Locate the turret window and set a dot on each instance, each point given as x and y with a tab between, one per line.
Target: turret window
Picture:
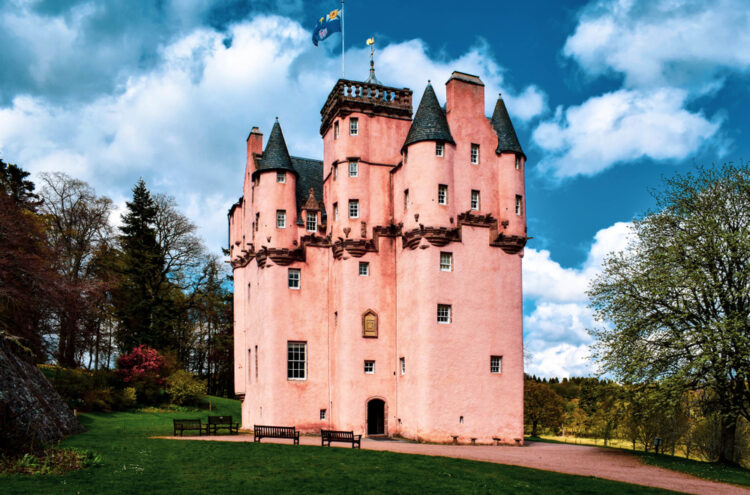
335	171
312	221
518	162
295	278
257	221
446	262
353	126
439	149
280	177
353	208
406	199
444	313
296	361
335	211
519	205
353	169
364	269
280	219
402	363
475	200
442	194
336	130
475	153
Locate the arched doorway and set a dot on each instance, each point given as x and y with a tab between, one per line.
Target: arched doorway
376	417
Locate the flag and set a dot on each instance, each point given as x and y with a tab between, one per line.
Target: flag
327	26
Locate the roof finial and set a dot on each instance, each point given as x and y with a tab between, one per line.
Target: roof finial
277	118
372	79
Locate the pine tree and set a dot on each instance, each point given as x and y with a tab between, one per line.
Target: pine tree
142	301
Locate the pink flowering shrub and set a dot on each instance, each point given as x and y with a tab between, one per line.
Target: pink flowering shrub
144	368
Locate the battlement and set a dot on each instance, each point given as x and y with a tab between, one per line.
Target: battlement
354	96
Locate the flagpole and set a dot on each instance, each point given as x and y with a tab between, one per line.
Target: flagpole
342	39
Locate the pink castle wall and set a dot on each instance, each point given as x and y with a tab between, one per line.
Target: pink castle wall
447	365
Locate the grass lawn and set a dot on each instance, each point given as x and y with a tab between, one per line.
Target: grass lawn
134	463
707	470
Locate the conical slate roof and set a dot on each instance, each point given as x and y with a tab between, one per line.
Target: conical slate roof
429	123
507	141
276	155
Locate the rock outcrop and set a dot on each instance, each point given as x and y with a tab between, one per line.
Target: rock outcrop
32	413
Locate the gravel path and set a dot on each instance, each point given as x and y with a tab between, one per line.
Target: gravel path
583	460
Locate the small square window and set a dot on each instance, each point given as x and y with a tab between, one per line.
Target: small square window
475	153
402	363
353	169
294	278
439	149
336	130
442	194
281	177
406	199
323	411
518	162
296	361
446	262
312	221
335	211
370	367
353	208
475	200
281	219
364	269
353	126
519	205
496	364
444	313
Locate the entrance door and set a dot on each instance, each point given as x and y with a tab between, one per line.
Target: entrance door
376	417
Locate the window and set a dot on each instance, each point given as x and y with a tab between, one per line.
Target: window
312	221
335	171
406	199
439	149
280	177
442	194
519	205
296	361
364	269
257	221
353	208
353	126
475	200
256	364
496	364
323	411
474	153
335	211
446	262
294	278
281	219
336	130
444	313
370	367
518	162
402	363
353	169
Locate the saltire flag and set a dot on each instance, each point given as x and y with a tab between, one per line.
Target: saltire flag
327	26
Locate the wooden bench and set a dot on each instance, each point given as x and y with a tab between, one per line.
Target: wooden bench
183	425
265	431
339	436
215	423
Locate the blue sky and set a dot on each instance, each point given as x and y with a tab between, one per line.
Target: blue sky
607	96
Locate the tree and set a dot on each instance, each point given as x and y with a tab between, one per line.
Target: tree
677	300
79	233
542	406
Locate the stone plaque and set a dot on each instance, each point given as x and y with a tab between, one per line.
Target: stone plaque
370	324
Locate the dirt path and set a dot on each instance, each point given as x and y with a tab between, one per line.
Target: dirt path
583	460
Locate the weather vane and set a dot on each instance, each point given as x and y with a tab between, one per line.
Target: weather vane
372	79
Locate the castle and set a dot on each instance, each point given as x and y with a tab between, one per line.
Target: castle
380	289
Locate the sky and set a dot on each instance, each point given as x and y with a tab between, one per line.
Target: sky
607	97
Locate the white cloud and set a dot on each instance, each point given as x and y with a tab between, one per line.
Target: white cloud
621	126
680	43
182	125
555	333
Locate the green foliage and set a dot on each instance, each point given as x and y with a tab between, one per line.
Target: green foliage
542	407
677	300
50	461
185	389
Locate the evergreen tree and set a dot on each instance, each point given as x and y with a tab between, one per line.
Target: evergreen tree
142	298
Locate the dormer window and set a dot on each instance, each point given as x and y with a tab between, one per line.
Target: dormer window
354	126
353	169
281	177
336	130
439	149
474	154
312	221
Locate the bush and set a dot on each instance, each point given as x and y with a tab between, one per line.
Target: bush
128	398
85	390
184	388
144	368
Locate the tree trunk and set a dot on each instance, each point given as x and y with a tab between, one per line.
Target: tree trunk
728	436
534	425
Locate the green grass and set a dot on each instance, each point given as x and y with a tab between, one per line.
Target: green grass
134	463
